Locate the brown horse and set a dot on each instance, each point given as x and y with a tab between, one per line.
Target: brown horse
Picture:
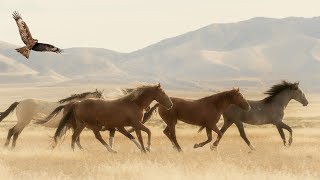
96	114
201	112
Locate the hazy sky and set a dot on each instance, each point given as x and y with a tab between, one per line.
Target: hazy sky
128	25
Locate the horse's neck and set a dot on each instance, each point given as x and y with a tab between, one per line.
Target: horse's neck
282	99
143	101
222	101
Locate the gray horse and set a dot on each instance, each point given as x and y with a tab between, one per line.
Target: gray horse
270	110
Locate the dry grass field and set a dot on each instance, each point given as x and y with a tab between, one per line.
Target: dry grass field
33	159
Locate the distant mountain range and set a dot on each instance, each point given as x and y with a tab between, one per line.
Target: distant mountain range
252	53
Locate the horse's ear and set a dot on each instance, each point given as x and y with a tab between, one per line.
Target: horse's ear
237	90
159	86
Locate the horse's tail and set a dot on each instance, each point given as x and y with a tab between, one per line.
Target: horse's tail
8	111
147	115
51	115
65	119
201	128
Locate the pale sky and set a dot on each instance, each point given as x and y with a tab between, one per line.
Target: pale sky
128	25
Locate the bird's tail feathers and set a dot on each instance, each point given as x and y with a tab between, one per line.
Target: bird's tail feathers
25	51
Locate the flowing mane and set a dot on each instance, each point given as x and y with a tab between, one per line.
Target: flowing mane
132	94
278	88
97	93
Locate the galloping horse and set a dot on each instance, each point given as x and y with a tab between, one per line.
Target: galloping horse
30	109
97	114
269	110
66	107
204	112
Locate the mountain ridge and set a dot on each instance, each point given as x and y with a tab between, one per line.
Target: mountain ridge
247	53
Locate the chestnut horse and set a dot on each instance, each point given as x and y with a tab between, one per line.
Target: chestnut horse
97	114
204	112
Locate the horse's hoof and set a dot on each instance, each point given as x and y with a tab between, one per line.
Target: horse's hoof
252	148
196	146
148	149
113	151
213	148
290	142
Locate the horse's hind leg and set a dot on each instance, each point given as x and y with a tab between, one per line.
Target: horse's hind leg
99	137
282	135
76	133
10	133
78	143
209	134
243	135
15	137
15	131
123	131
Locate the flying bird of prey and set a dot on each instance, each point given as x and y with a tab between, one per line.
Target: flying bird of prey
31	44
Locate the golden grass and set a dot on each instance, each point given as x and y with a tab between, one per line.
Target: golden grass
33	158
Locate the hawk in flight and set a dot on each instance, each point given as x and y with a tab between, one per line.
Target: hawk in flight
31	44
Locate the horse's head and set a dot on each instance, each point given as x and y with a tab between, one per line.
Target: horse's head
298	95
161	97
239	100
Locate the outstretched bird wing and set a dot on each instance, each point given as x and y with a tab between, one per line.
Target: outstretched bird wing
46	47
24	30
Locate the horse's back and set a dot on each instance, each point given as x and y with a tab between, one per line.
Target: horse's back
107	112
29	109
189	111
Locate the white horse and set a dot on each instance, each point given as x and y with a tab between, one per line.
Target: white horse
31	109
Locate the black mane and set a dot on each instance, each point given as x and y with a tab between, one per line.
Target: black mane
277	88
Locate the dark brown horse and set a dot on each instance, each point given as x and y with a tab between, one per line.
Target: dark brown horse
67	107
96	114
201	112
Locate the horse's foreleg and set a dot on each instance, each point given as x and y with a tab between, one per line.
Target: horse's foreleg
172	133
288	128
243	135
123	131
138	126
166	132
216	130
224	128
111	136
209	135
138	132
283	136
